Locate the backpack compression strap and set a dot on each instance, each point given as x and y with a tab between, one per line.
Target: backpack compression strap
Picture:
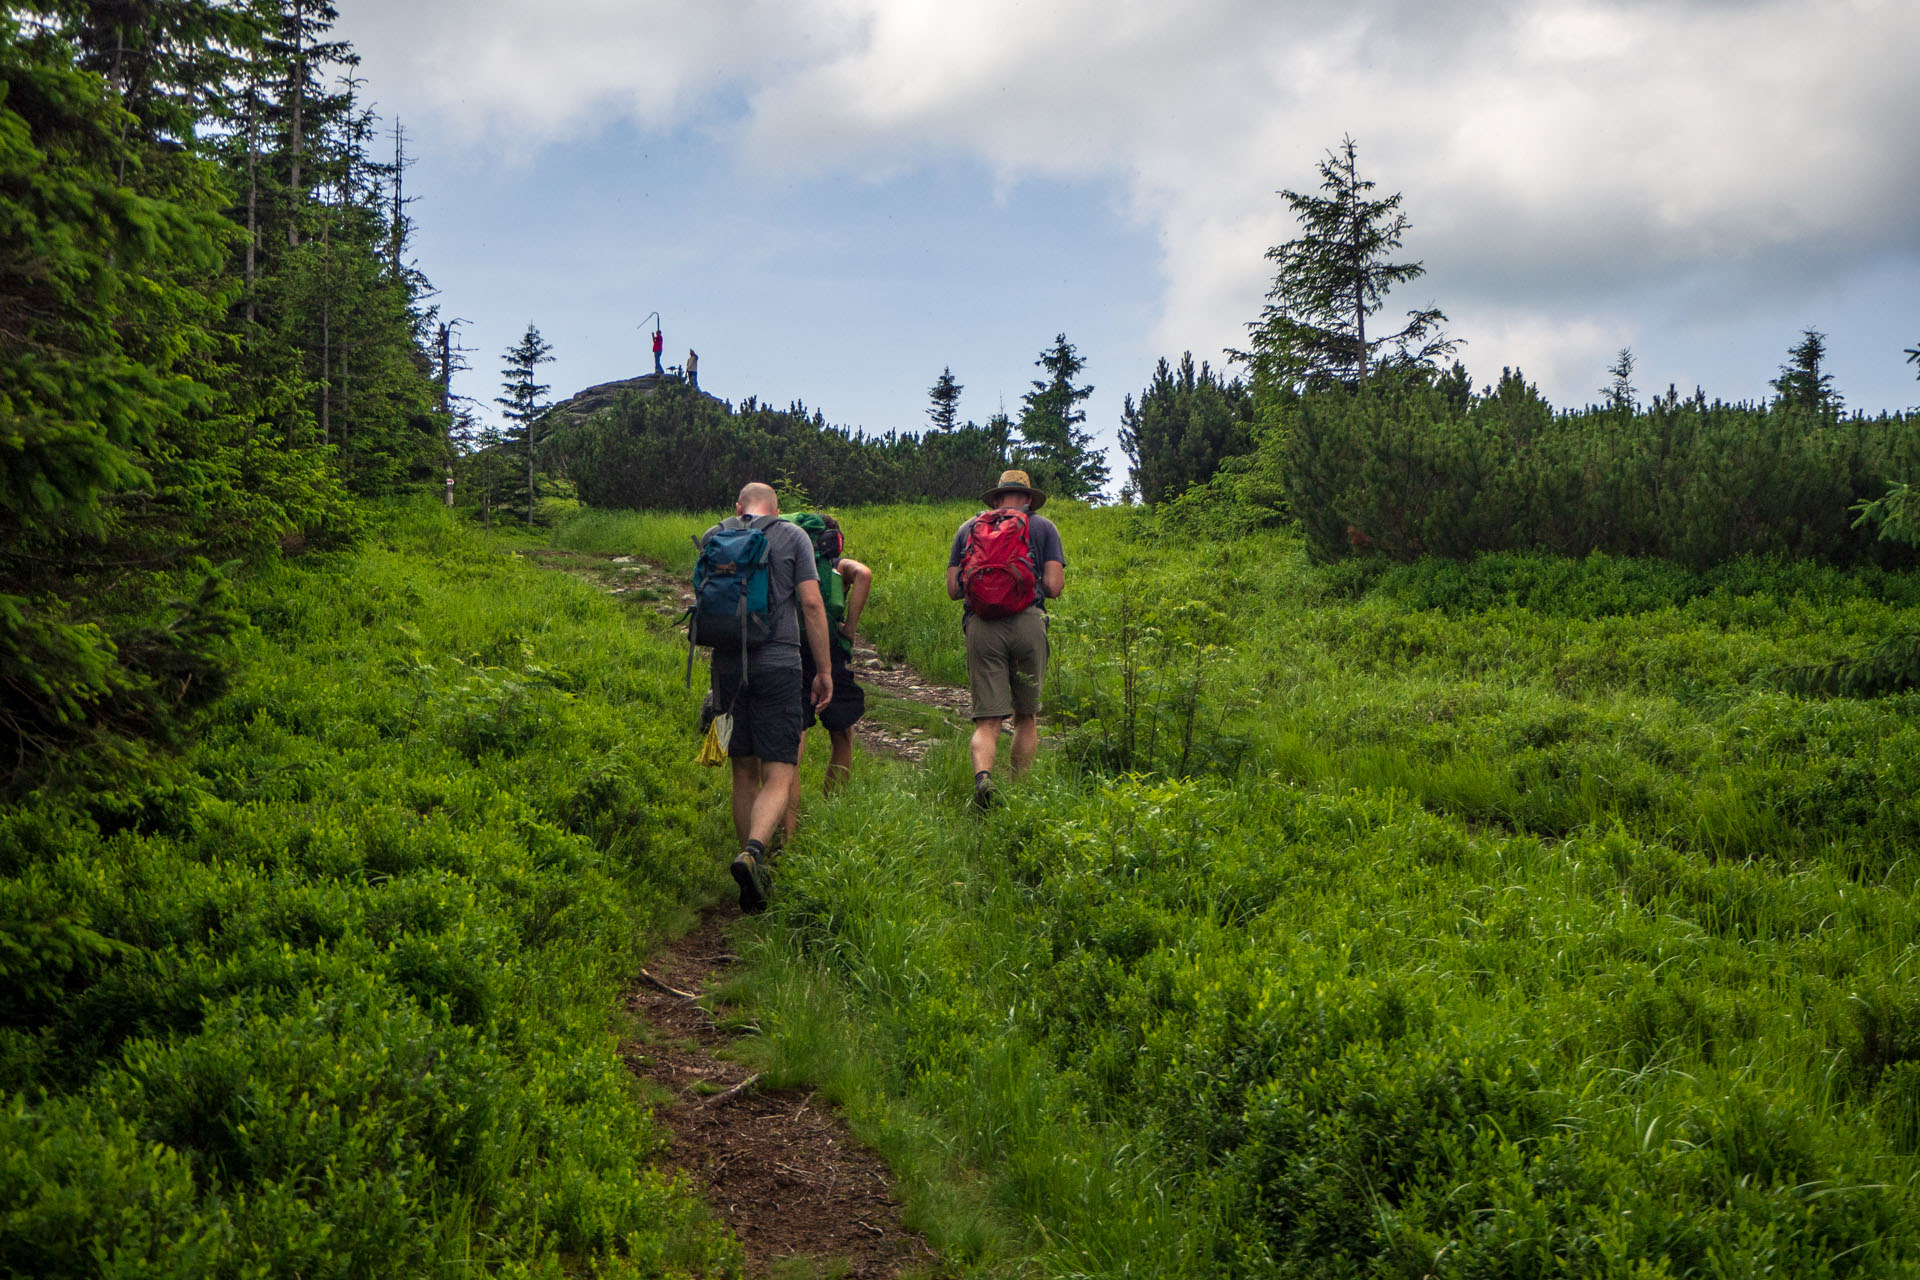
762	523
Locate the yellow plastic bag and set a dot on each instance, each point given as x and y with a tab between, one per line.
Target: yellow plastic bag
713	747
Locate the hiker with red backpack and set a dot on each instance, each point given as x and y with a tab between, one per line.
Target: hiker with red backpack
844	586
756	591
1006	563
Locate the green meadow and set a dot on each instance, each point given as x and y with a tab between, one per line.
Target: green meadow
338	993
1503	918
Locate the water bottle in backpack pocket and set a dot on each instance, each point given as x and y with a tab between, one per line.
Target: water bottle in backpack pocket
996	567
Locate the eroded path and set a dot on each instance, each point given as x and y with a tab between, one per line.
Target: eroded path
780	1167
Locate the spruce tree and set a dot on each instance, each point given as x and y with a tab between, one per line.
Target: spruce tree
1054	448
524	404
119	470
1619	393
1803	382
945	395
1336	274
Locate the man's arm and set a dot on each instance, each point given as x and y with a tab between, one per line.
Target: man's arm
813	612
953	582
859	581
1054	578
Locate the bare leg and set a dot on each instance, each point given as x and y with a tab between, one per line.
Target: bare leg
791	823
986	740
1026	743
769	807
840	763
746	788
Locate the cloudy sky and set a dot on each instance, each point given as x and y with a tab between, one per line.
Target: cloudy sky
832	200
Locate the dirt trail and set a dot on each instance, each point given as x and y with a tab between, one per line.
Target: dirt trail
779	1167
908	737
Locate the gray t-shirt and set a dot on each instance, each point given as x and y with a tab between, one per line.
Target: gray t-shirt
789	563
1043	539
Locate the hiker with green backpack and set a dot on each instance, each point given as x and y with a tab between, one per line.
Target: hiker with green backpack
754	585
844	585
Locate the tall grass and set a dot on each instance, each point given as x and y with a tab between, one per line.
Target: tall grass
1526	928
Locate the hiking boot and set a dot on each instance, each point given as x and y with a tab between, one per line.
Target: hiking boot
755	879
985	796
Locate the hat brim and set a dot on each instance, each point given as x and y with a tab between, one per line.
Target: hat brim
992	496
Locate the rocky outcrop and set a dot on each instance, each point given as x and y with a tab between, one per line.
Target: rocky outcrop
586	403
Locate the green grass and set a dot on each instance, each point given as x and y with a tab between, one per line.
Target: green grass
1499	919
1496	929
335	995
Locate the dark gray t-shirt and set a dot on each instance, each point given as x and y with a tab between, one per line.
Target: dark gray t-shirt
789	563
1043	538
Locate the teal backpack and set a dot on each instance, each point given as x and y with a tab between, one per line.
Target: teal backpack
732	589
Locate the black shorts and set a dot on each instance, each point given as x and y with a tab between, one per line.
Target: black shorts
766	717
849	699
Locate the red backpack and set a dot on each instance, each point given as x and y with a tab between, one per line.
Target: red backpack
996	568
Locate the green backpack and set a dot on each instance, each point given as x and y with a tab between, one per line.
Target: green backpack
827	544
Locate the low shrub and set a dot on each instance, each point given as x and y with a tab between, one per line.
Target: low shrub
336	998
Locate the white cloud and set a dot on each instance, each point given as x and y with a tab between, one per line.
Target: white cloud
1556	157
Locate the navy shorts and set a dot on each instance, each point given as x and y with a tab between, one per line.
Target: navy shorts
766	717
849	699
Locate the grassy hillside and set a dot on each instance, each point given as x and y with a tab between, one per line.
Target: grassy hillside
1490	920
1480	920
337	998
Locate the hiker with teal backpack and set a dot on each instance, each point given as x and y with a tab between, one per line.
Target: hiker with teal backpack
844	585
1006	563
754	584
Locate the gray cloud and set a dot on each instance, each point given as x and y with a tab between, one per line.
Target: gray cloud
1560	160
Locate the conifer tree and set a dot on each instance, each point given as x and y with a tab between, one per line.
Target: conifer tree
1803	382
1000	438
1186	424
1054	448
1619	393
1336	274
945	395
524	404
110	286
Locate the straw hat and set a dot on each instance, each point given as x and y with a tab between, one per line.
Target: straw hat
1015	482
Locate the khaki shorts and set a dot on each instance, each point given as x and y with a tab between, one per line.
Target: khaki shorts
1007	663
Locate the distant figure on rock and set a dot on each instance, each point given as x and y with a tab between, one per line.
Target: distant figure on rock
658	343
844	584
1006	563
693	368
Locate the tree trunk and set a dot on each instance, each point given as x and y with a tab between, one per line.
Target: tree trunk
446	403
253	196
326	330
299	90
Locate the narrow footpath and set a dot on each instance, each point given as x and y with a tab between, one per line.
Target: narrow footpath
780	1168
